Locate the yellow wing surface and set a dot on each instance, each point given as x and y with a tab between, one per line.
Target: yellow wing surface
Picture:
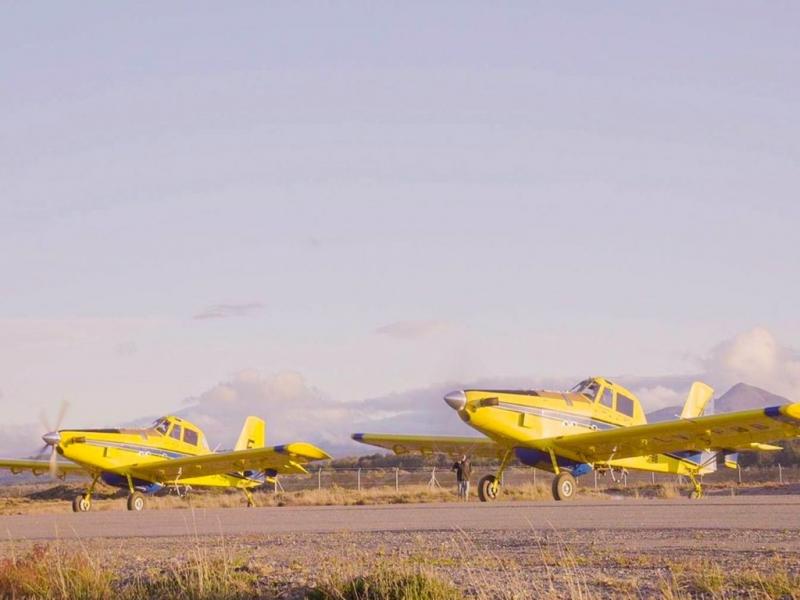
283	459
747	429
430	444
38	467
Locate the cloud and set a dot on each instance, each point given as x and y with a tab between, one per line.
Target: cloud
757	358
413	330
296	410
292	408
223	311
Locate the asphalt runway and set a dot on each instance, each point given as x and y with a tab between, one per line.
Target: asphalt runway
747	512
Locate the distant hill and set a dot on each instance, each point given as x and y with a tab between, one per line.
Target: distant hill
740	397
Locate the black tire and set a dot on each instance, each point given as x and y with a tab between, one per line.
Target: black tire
488	488
564	486
695	495
136	502
81	504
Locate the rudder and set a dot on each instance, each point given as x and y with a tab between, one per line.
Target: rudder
699	396
253	434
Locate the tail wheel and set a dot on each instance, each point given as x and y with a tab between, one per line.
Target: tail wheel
136	502
81	504
564	486
488	488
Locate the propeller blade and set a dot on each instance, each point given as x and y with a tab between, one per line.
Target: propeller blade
44	422
41	452
52	465
62	410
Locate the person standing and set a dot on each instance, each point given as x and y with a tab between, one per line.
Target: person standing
463	470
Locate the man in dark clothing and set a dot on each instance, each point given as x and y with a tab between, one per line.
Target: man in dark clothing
463	470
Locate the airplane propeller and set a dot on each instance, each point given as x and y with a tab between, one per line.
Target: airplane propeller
52	437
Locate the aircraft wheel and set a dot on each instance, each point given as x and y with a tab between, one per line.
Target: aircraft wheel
81	504
136	501
488	488
564	486
695	495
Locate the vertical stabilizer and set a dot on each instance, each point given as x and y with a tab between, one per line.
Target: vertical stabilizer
699	396
253	434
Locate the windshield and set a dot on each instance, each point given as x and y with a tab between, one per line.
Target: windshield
161	426
587	387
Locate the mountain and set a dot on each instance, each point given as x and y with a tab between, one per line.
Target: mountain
743	396
740	397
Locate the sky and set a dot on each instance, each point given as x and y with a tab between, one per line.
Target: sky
329	205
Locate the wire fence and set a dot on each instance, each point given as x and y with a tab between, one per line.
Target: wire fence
398	477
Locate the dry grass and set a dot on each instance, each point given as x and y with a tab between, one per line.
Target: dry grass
205	569
49	572
387	582
706	579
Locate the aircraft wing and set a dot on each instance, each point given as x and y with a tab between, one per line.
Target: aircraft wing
283	459
430	444
39	467
747	429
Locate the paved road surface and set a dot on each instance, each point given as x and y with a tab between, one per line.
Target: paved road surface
750	512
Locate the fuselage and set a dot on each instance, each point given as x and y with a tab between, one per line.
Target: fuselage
518	418
114	453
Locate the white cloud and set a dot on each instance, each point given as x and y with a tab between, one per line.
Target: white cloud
757	358
223	311
413	330
659	396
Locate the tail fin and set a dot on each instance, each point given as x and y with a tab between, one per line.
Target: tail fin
253	434
699	396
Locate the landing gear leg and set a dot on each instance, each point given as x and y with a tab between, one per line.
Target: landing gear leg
251	501
135	499
564	484
489	486
697	491
83	503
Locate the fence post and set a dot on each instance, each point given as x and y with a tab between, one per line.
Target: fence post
780	473
396	479
319	478
358	479
653	477
739	472
534	476
275	485
595	479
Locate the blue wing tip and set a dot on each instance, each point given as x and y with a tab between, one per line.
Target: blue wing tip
358	437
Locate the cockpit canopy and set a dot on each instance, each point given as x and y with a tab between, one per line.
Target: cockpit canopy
610	395
181	431
587	387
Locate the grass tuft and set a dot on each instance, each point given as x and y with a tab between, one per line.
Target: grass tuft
387	584
48	572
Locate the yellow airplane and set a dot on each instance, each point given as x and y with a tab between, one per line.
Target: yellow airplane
597	425
172	452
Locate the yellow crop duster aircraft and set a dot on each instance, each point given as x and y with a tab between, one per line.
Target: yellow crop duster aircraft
170	453
597	425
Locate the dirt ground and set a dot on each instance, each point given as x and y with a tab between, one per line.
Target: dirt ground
595	563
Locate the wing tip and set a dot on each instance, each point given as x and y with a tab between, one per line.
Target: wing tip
359	437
